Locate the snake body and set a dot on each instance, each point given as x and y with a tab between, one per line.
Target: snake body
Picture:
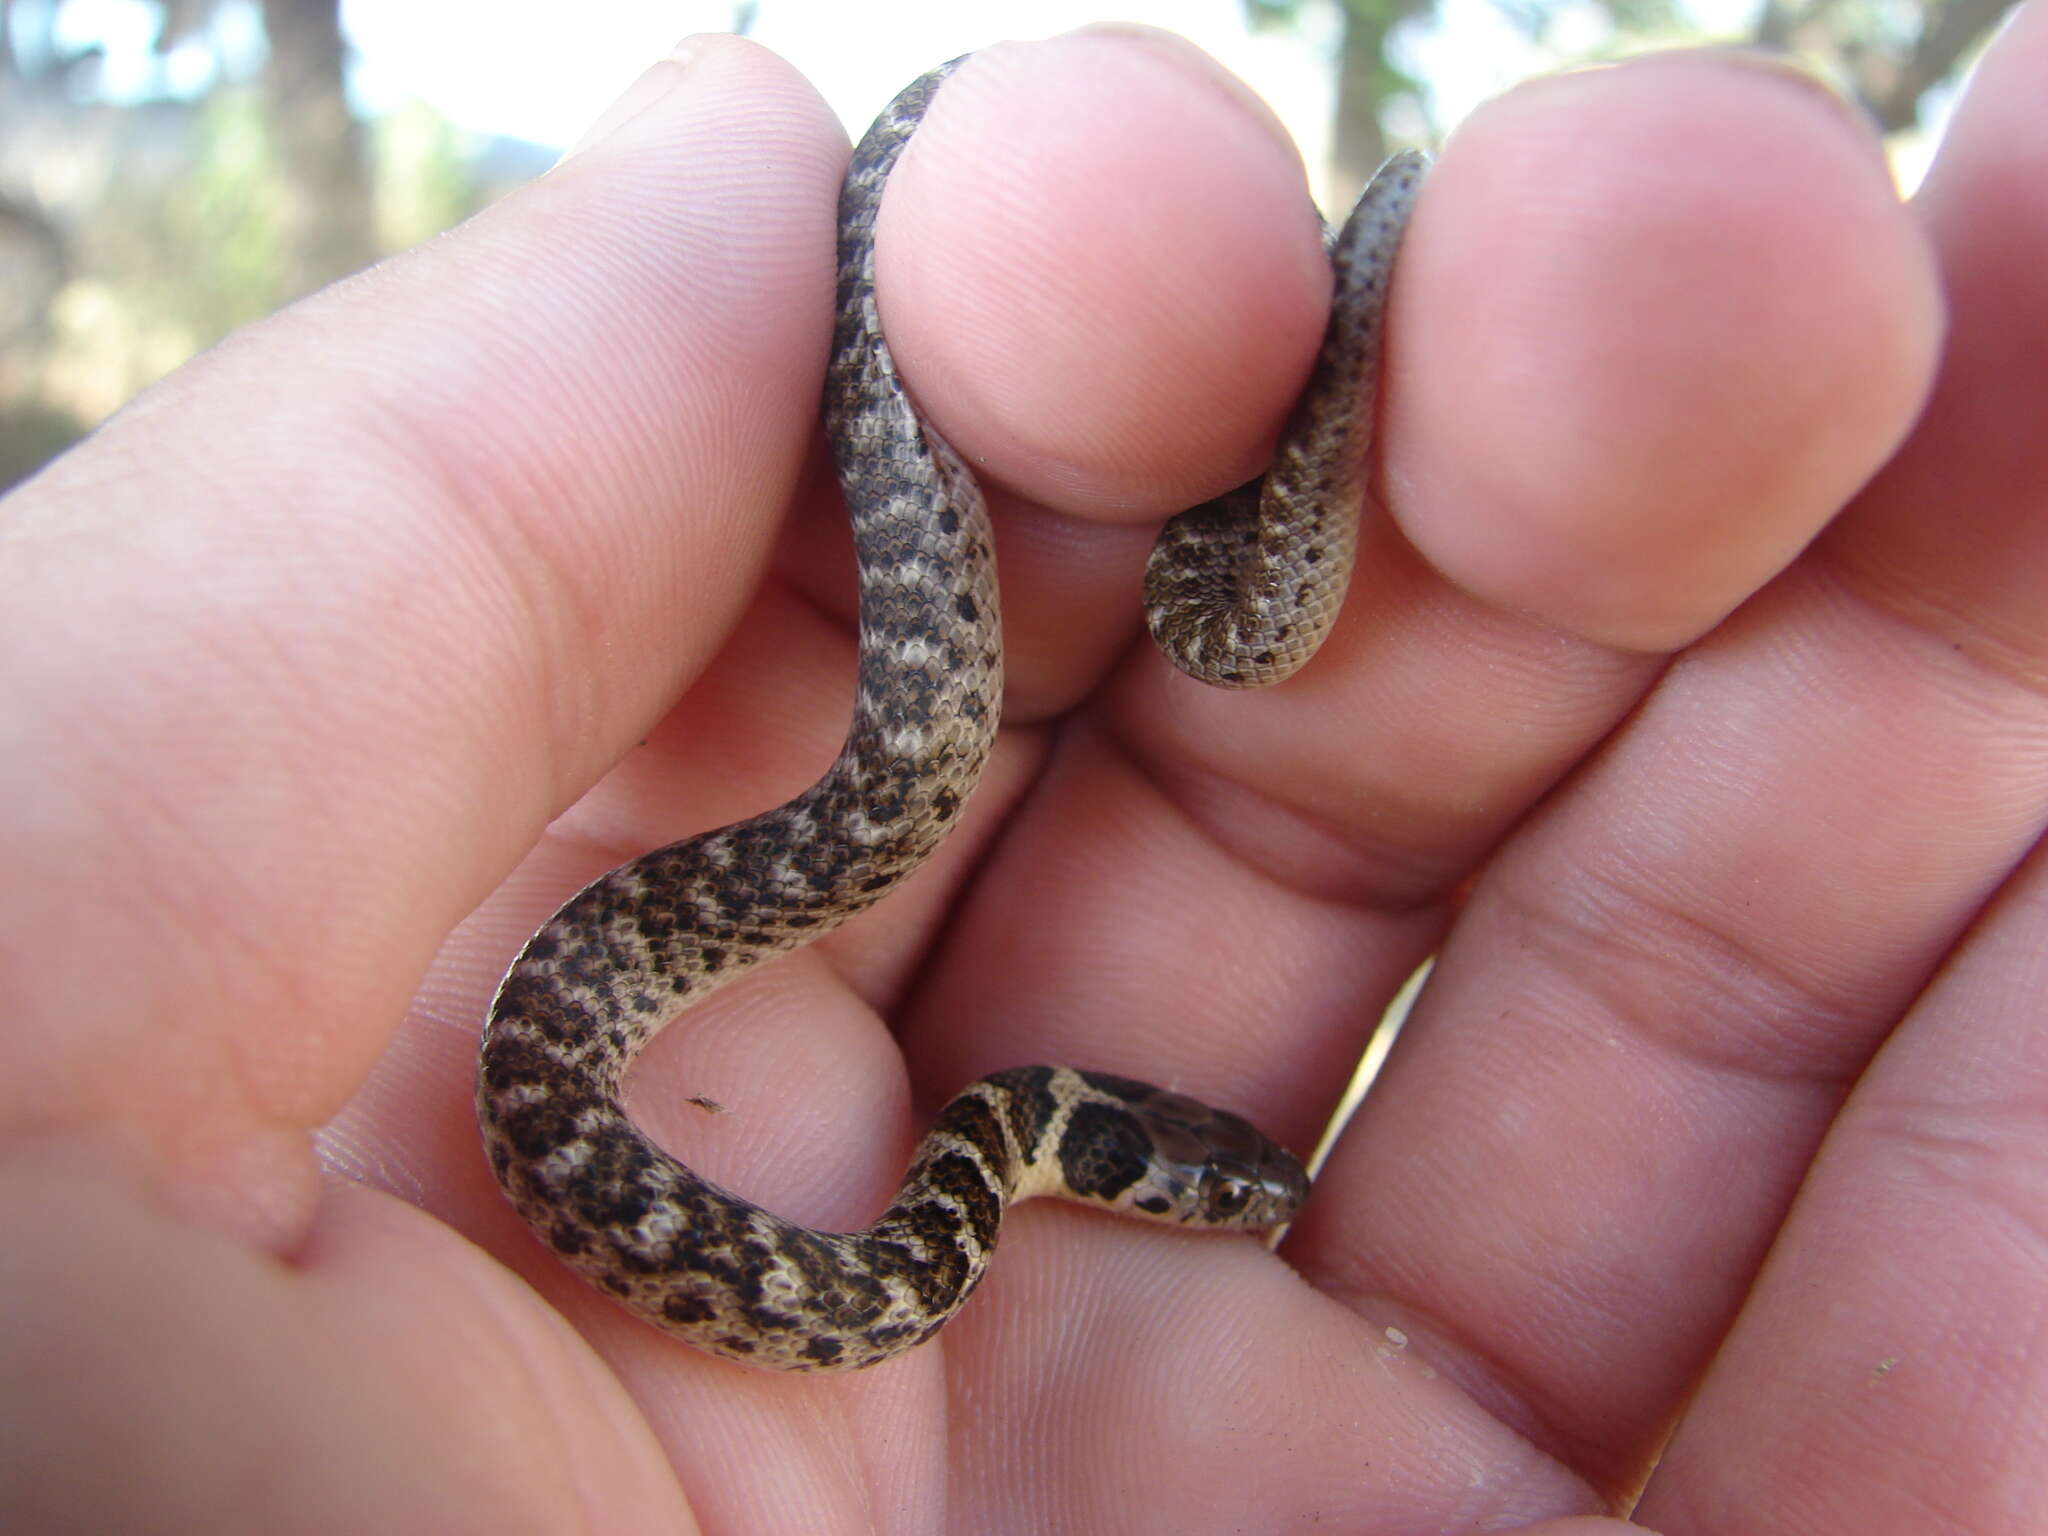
1236	602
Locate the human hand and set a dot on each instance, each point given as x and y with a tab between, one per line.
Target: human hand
311	642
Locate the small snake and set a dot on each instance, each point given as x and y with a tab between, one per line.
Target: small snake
1239	592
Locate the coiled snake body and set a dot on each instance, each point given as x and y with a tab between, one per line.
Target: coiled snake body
1239	592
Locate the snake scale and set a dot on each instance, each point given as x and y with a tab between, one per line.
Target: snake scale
1239	592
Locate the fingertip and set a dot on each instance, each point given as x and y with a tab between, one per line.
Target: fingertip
1102	273
1655	324
704	63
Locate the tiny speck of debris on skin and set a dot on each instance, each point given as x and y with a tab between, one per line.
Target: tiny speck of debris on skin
709	1105
1397	1338
1883	1367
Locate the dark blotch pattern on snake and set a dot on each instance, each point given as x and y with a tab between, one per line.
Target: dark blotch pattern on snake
1239	593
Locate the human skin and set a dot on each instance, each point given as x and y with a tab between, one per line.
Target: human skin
1688	699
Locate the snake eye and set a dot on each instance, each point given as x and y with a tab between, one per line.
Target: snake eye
1226	1195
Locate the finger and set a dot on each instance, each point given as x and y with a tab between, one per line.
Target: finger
1216	1368
1661	992
1889	1356
1887	1359
1125	256
317	635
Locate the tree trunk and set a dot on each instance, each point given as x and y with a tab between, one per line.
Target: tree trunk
1357	146
325	214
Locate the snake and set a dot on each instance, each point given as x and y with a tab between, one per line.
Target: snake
1239	592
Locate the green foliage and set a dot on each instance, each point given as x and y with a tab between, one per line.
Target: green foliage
424	178
180	247
222	220
31	434
181	238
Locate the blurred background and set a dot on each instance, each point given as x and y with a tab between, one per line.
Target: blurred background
171	169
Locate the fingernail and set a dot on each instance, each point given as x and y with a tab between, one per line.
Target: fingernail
1177	51
655	84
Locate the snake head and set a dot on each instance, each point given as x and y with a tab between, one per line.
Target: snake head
1179	1160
